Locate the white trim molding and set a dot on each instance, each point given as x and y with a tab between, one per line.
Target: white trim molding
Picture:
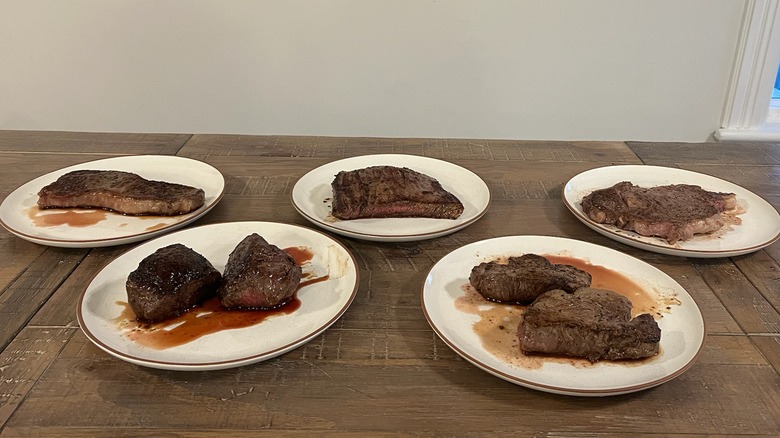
755	68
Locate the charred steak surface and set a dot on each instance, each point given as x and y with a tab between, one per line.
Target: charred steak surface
388	191
258	275
673	212
169	282
591	323
123	192
524	278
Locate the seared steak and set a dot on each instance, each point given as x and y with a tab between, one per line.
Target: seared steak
673	212
387	191
258	275
524	278
123	192
169	282
591	323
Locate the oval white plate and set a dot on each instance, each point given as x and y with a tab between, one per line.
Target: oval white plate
312	193
116	229
682	329
321	303
760	223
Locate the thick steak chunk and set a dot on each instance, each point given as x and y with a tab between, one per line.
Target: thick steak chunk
123	192
674	212
387	191
591	323
258	275
169	282
524	278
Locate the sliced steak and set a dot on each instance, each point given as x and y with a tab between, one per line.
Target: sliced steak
591	323
524	278
169	282
123	192
673	212
258	275
387	191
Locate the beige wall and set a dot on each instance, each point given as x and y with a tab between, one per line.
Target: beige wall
524	69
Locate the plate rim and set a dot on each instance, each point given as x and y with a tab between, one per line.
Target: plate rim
393	237
128	238
658	247
221	364
552	388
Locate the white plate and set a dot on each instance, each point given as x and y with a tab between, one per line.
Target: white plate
682	328
115	229
312	194
760	225
321	303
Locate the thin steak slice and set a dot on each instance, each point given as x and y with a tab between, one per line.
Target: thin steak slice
123	192
388	191
524	278
591	323
169	282
258	275
674	212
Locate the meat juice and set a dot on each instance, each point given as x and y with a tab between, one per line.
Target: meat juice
208	317
78	218
498	323
72	218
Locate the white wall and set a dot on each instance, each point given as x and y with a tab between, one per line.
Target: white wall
519	69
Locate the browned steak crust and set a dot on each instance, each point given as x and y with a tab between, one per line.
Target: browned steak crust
524	278
673	212
169	282
591	323
123	192
258	275
388	191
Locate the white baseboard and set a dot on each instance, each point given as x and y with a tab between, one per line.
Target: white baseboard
763	134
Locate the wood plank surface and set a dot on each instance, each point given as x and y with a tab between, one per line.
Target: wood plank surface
315	389
380	370
88	143
203	146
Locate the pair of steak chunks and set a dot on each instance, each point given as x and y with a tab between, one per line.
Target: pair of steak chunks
175	278
674	212
566	316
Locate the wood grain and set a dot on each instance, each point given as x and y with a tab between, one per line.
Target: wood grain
204	146
25	295
87	143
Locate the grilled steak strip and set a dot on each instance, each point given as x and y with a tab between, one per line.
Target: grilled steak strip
524	278
388	191
169	282
123	192
674	212
591	323
258	275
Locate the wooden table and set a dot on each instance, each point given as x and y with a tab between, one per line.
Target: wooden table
380	370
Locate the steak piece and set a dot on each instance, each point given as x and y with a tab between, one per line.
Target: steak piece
591	323
123	192
258	275
524	278
387	191
169	282
673	212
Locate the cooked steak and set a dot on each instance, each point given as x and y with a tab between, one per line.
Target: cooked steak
169	282
258	275
524	278
387	191
673	212
591	323
123	192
